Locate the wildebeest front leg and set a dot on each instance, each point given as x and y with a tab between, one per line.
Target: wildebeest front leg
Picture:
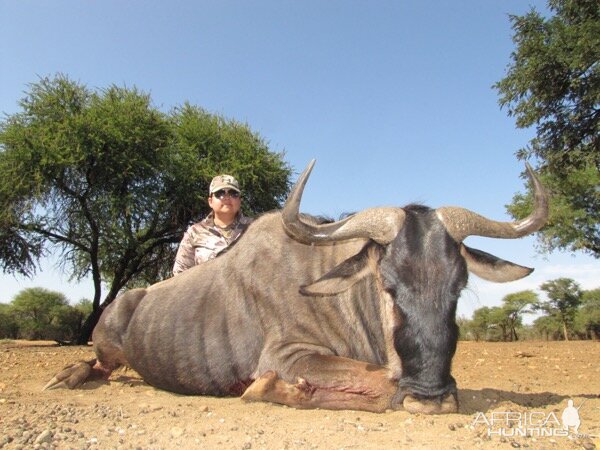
328	382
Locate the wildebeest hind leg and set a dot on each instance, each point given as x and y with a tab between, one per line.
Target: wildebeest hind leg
108	344
76	374
328	382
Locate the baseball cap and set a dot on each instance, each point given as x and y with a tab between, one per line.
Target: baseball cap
224	182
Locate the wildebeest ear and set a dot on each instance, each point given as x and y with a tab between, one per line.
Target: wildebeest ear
341	277
492	268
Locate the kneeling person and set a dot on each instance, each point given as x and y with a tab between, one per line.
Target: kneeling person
204	240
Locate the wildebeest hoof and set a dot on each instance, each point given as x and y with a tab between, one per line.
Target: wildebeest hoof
260	387
70	377
430	406
269	387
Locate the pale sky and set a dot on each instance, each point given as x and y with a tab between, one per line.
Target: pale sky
393	98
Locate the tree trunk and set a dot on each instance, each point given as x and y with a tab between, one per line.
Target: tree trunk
91	321
88	326
565	332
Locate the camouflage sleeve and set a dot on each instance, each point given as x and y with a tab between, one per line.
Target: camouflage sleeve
185	257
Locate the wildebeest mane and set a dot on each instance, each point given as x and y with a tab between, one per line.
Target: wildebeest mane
316	220
417	207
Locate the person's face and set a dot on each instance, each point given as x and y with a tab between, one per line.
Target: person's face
225	202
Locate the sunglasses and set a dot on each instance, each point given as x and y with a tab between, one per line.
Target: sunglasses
222	193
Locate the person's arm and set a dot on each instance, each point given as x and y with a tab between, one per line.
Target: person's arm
185	257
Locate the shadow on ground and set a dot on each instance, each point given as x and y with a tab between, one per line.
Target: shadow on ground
472	401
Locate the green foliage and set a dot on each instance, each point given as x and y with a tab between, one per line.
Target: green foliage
84	307
564	297
548	327
514	306
208	145
478	327
9	328
490	324
113	182
463	328
38	313
499	324
567	312
587	318
553	83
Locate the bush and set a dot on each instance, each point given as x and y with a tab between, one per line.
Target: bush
40	314
9	328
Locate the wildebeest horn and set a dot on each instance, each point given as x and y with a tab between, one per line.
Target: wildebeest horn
460	222
379	224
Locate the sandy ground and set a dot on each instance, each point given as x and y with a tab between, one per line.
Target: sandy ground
506	390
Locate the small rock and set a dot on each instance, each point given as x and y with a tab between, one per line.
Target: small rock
44	436
520	354
588	445
177	432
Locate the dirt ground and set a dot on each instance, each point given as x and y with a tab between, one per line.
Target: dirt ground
512	395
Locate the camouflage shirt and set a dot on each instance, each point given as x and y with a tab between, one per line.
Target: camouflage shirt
204	240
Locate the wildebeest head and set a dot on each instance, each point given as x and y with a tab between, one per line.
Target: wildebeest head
422	264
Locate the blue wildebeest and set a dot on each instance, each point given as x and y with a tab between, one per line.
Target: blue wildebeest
355	314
